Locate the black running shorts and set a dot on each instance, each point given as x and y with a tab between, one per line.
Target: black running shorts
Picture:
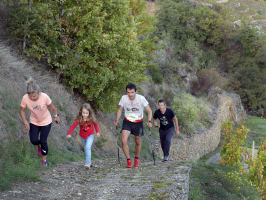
134	128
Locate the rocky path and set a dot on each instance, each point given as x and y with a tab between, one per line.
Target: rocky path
106	180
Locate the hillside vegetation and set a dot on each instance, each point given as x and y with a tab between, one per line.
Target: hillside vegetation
204	39
95	46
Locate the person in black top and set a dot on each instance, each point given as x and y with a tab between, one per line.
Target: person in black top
166	129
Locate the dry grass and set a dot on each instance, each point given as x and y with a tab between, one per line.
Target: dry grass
151	8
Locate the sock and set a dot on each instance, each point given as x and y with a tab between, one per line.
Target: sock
128	159
136	157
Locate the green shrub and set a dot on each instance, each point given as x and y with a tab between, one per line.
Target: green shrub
207	78
168	96
209	59
251	78
97	46
232	149
192	113
191	54
185	22
234	154
155	74
256	170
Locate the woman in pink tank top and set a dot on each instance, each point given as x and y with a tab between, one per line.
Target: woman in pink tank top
40	121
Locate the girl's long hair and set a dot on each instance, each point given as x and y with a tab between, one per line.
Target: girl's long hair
91	115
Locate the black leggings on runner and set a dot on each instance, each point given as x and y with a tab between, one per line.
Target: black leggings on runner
43	131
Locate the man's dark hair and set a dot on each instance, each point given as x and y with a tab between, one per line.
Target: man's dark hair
131	86
161	101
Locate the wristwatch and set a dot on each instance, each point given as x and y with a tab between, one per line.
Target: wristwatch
56	115
149	121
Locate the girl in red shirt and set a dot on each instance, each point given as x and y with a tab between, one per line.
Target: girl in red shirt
86	121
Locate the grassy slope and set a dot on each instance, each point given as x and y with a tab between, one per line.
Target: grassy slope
257	131
213	181
249	9
217	182
18	158
253	11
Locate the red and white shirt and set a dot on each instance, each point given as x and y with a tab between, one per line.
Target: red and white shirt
133	108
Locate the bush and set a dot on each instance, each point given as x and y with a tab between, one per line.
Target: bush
168	96
200	23
251	79
154	71
234	154
192	113
192	54
233	146
98	46
207	78
256	170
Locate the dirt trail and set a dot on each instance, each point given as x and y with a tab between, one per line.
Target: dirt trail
107	180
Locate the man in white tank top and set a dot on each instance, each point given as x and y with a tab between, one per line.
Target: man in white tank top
133	105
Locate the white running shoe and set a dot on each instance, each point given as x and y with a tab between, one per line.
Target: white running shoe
87	166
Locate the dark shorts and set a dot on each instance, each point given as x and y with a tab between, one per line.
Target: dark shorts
134	128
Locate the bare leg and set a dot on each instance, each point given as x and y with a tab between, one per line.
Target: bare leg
125	135
44	157
138	145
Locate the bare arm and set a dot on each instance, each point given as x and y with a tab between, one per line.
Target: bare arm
149	111
23	117
176	125
118	115
155	123
51	106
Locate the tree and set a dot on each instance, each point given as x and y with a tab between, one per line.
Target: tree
97	45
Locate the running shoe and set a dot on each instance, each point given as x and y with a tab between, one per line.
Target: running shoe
136	162
87	166
129	164
44	163
165	159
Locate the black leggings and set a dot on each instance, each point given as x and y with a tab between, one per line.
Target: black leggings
34	136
